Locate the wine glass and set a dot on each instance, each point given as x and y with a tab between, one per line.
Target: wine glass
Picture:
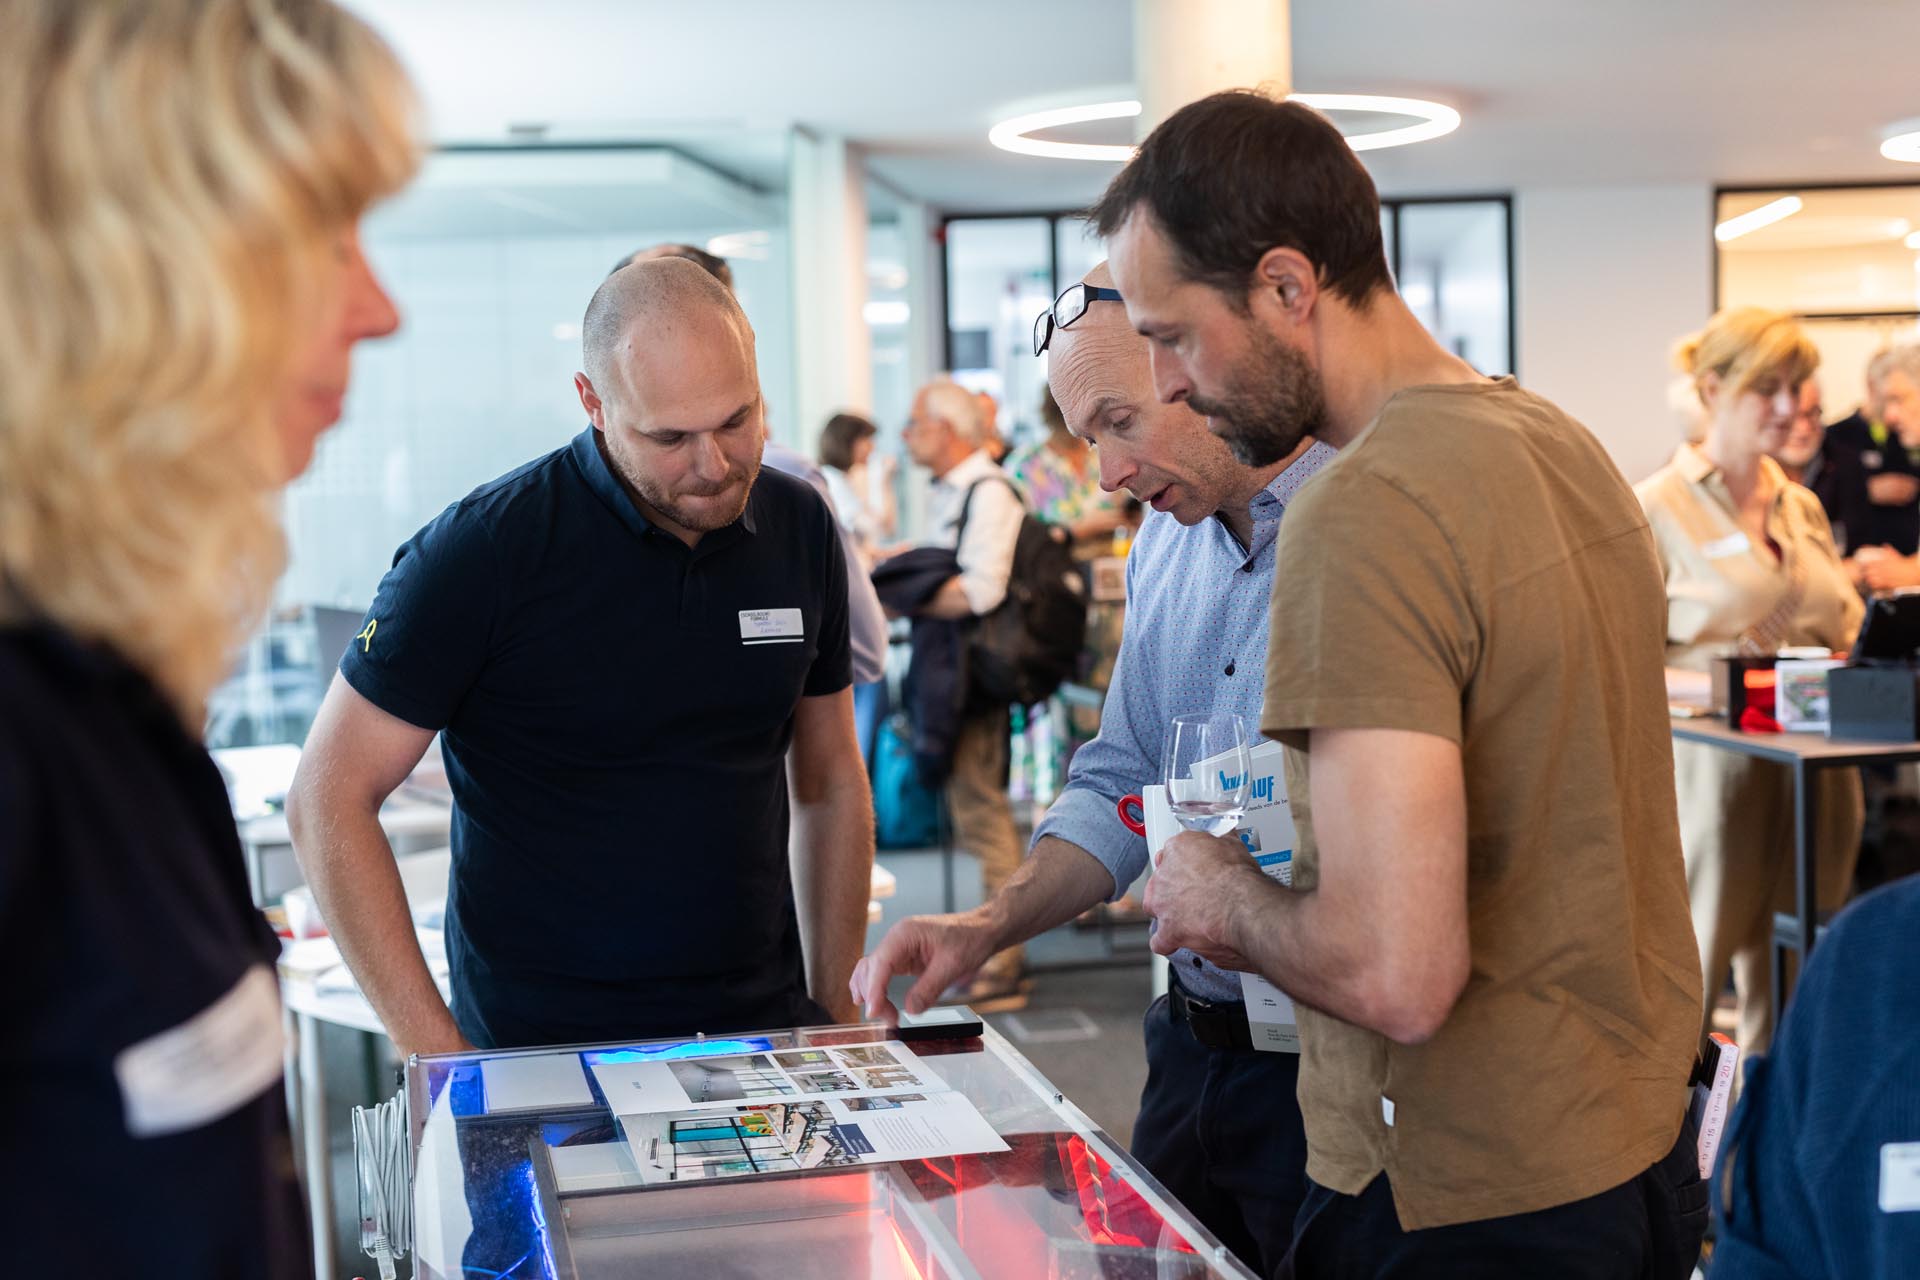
1207	771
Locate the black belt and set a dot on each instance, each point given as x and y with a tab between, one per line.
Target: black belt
1217	1024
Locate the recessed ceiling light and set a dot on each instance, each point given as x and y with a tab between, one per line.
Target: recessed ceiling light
751	245
1431	120
1754	219
1913	241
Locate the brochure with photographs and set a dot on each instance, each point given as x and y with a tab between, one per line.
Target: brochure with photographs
736	1115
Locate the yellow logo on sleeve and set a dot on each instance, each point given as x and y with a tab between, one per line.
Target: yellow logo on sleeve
366	637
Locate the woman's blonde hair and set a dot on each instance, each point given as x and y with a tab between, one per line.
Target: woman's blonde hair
1748	348
172	175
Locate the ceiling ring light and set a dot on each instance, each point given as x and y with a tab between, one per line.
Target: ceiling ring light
1011	135
1904	147
1431	120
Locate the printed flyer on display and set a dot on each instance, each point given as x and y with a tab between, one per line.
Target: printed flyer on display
735	1115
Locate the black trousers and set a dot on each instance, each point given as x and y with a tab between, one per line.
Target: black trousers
1221	1130
1648	1228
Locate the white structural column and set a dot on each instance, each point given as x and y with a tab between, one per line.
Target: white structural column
926	342
926	291
827	222
1184	50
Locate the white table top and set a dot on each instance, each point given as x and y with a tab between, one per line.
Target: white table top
258	779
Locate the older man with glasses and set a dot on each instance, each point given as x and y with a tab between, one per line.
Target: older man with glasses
1218	1122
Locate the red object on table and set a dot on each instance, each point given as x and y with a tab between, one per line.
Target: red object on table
1757	716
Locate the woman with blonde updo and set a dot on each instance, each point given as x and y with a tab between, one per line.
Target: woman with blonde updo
181	286
1751	567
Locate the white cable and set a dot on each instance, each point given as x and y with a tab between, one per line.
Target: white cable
380	1157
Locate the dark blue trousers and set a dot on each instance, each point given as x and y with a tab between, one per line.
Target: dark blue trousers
1220	1129
1647	1228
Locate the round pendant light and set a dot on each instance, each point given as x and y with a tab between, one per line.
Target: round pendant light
1429	120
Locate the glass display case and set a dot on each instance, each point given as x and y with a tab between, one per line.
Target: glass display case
523	1168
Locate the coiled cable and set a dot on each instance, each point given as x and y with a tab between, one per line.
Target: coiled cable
381	1158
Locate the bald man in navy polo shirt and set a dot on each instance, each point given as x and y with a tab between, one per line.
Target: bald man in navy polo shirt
618	642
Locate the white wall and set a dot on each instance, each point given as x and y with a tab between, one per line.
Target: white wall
1843	277
1607	279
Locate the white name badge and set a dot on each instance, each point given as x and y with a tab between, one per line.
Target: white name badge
1734	544
1270	1016
209	1066
771	626
1900	1177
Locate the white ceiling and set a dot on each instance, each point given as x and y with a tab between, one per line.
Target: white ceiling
565	192
1555	92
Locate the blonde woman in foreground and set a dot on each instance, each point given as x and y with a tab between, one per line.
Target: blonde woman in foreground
1750	566
181	285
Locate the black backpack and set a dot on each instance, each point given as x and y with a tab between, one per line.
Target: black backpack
1022	651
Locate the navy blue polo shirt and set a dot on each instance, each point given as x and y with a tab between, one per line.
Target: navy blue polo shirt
140	1045
615	745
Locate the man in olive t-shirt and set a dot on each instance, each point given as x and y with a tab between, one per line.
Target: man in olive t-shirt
1487	928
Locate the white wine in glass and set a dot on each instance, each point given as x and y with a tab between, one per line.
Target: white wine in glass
1206	768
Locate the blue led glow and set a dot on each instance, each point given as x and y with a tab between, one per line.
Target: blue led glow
685	1049
540	1224
496	1275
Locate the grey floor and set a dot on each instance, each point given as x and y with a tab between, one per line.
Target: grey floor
1081	1028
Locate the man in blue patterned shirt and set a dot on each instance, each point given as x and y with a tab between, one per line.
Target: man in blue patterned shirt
1218	1124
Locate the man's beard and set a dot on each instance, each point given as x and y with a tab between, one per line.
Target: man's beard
702	521
666	505
1265	415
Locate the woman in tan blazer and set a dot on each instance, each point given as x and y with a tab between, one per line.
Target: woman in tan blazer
1750	566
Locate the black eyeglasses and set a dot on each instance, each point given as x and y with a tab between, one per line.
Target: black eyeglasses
1067	310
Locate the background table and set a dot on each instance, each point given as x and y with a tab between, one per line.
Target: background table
417	817
1804	754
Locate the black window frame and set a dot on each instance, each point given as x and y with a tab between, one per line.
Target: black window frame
1053	218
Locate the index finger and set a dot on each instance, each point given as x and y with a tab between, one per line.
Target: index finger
869	983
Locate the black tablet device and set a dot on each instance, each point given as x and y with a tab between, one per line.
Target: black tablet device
1891	632
943	1022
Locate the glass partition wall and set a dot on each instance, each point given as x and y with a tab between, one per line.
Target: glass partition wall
491	257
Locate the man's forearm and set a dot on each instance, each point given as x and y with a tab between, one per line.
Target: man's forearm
1055	883
1287	938
832	866
350	866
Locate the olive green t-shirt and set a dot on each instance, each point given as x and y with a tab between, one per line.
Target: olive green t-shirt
1473	566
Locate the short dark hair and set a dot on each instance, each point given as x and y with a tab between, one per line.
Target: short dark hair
1235	174
837	438
715	265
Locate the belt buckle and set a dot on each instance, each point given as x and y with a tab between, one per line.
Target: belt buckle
1211	1023
1200	1019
